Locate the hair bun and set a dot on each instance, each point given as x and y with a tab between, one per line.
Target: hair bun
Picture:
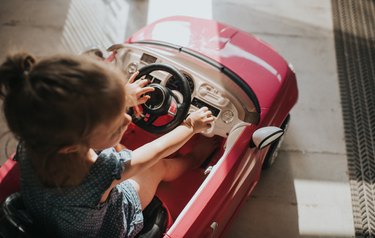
27	61
14	71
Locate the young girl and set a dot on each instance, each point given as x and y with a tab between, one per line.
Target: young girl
64	108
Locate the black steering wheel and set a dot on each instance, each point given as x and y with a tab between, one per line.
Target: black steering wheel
163	101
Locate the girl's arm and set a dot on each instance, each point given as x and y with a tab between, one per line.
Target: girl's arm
149	154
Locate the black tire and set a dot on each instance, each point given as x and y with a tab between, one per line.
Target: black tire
275	146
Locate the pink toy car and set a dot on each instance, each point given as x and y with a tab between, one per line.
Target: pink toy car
192	63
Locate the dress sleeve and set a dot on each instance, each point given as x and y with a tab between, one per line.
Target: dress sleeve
108	167
122	158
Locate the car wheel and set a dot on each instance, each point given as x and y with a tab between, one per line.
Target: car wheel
274	147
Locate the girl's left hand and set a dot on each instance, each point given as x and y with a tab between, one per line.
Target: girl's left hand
136	90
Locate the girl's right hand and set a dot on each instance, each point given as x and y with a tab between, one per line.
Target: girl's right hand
136	90
200	120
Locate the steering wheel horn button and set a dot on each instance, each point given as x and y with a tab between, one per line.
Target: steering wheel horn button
157	98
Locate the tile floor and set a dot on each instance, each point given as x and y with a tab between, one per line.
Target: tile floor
306	193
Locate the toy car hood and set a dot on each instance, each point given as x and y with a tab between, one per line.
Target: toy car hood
259	66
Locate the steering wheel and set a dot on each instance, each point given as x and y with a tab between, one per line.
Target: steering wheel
163	101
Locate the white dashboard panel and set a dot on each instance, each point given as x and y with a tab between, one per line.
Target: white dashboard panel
211	88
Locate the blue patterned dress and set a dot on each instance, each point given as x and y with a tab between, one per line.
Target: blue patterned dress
77	212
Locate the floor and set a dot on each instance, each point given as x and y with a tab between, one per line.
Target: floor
306	193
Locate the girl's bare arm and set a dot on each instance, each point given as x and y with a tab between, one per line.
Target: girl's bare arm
149	154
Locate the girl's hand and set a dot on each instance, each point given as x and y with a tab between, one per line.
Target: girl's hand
136	90
200	120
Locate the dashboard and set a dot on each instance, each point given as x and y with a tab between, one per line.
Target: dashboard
208	86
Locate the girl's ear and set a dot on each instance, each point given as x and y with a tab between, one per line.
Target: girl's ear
69	149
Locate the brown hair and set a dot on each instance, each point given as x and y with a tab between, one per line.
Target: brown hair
56	102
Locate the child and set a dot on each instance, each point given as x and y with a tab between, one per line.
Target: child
62	109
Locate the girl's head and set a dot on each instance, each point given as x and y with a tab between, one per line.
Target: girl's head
55	103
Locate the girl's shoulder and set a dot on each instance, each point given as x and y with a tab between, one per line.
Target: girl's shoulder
110	164
112	154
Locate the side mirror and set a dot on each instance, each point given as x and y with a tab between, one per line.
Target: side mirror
265	136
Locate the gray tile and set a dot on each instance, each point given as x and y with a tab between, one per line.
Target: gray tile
302	195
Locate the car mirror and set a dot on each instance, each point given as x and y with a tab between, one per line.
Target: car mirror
265	136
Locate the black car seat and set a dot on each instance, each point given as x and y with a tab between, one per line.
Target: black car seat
16	222
155	217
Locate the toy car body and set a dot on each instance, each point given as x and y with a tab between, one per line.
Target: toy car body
249	88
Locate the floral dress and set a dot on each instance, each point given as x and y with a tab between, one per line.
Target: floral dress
77	212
